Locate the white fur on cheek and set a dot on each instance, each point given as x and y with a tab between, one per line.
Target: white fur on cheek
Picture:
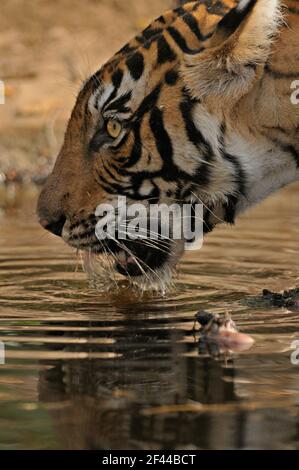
266	168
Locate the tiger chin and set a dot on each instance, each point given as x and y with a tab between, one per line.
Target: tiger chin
197	107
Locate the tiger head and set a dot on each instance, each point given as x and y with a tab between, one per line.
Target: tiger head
152	124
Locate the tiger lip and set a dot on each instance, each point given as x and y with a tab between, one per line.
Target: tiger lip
133	259
138	260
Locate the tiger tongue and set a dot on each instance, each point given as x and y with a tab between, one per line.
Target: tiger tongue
123	258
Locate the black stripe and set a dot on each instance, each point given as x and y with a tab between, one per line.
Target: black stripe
180	11
136	151
150	33
148	102
232	20
230	208
127	49
110	174
161	19
117	78
171	77
105	185
135	64
87	234
293	10
215	8
124	110
239	172
180	40
162	139
116	81
207	225
108	186
280	75
119	102
240	176
165	53
203	172
140	39
192	23
240	180
148	36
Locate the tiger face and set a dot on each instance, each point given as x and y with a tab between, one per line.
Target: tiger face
152	125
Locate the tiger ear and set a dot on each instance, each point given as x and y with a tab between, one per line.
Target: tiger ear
227	67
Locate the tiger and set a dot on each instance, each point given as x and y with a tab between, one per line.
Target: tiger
199	106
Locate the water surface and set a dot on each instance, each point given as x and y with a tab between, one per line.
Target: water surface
85	370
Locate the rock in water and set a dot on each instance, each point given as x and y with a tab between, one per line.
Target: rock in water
288	298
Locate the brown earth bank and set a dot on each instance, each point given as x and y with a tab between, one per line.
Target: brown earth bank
47	49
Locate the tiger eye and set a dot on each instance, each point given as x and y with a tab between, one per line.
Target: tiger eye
114	128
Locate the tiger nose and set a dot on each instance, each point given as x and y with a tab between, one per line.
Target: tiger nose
54	226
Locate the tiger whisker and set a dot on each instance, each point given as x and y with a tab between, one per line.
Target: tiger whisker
206	207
